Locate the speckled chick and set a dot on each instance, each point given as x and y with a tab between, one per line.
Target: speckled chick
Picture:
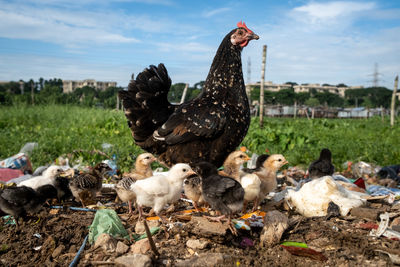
91	182
206	128
192	190
142	171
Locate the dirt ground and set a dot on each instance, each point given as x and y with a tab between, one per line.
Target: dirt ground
343	241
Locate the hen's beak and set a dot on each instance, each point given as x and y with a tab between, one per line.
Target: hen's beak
253	36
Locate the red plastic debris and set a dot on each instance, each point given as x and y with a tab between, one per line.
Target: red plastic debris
305	252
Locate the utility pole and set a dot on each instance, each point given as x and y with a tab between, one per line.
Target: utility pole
248	87
264	57
396	81
184	93
32	93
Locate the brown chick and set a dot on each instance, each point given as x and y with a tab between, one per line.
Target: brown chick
142	167
142	171
267	175
232	164
88	182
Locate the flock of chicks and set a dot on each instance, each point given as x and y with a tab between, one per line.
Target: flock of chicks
227	191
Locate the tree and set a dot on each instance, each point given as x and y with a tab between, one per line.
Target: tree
302	97
341	85
291	83
285	96
312	102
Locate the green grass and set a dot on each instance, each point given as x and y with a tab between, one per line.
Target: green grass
61	130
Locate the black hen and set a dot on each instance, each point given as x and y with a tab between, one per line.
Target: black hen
223	193
322	166
206	128
22	200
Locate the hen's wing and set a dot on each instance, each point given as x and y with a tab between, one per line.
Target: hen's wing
156	185
192	121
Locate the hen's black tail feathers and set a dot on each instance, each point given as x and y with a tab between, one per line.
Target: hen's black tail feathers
146	105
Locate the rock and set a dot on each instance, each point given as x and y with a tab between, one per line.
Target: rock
58	251
134	260
141	246
365	213
203	227
275	223
121	248
139	227
197	244
106	242
72	249
207	259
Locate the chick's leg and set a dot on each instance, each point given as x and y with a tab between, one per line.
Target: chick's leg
140	211
244	206
130	206
256	202
231	226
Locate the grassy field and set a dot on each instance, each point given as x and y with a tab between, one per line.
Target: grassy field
77	132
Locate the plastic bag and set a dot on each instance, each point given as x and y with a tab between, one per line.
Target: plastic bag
106	221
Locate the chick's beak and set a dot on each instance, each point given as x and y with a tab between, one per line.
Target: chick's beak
190	172
285	162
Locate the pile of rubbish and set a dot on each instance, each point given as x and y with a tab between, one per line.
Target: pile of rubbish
352	217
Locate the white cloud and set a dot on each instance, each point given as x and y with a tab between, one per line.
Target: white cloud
214	12
343	52
325	12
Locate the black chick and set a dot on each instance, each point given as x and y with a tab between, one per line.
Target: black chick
88	182
22	200
322	166
223	193
63	190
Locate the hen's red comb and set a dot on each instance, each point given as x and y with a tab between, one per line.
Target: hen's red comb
243	25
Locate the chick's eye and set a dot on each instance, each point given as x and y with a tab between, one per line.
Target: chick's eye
184	170
279	159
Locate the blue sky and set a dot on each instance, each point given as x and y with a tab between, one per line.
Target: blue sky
308	41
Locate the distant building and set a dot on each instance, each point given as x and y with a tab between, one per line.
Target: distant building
70	86
304	88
